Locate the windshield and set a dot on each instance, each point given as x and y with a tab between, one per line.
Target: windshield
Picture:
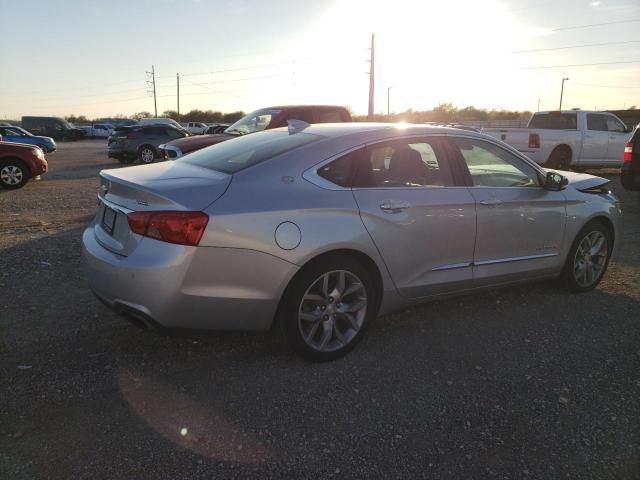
234	155
253	122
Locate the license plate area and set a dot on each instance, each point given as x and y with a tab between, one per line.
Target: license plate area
109	220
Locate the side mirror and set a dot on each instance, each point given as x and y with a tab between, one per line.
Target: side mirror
555	182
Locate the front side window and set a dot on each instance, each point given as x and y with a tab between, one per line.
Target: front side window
304	115
492	166
596	122
174	133
615	125
329	116
402	164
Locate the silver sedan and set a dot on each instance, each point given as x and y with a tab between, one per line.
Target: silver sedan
318	229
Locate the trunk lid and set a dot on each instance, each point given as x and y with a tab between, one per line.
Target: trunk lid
160	186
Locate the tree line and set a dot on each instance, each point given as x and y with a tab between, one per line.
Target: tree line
447	113
205	116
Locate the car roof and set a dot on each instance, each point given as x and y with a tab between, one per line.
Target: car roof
284	107
352	128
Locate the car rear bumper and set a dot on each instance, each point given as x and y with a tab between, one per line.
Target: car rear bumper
630	176
174	286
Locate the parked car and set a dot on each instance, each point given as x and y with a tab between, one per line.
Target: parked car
630	175
141	142
19	163
196	128
54	127
579	139
100	130
263	119
117	122
20	135
320	229
216	128
161	121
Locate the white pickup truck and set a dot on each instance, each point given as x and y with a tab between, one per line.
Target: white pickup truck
196	128
579	139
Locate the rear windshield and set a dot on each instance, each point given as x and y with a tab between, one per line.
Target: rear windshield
239	153
554	121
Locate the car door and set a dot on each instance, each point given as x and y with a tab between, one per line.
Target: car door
595	140
420	221
618	138
520	225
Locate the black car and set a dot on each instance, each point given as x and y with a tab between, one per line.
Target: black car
141	142
54	127
631	166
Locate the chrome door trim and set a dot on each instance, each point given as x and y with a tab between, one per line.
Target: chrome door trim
514	259
453	266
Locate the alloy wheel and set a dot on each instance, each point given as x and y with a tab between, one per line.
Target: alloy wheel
590	259
11	175
332	311
147	155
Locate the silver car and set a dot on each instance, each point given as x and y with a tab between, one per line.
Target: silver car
318	229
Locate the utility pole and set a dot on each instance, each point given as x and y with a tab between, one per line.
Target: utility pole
178	80
388	102
372	73
153	84
561	92
538	104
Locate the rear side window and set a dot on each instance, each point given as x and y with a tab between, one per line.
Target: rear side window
596	122
339	171
237	154
402	164
330	116
554	121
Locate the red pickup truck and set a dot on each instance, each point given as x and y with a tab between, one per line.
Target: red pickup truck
19	163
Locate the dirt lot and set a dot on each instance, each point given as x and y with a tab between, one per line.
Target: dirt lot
527	382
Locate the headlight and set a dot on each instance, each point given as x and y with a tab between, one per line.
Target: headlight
39	154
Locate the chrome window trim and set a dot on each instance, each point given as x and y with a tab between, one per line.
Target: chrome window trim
311	174
514	259
453	266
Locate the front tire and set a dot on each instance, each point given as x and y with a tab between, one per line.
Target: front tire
327	307
14	173
588	258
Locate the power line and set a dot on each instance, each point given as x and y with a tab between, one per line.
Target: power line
576	27
604	86
209	88
575	65
574	46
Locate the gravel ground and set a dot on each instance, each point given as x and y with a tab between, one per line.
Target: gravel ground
526	382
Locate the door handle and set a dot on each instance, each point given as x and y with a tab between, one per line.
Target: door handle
492	202
588	136
395	207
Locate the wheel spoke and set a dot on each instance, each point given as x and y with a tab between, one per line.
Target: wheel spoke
325	284
595	249
309	317
340	284
354	306
354	287
313	297
338	334
312	332
326	335
352	321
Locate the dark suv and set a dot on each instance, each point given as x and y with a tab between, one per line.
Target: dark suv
141	142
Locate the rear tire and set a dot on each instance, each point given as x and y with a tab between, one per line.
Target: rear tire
14	173
588	258
327	307
146	154
560	159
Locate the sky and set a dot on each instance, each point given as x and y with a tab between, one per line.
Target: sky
90	57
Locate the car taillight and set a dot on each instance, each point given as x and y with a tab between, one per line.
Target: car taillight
183	228
534	140
628	152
